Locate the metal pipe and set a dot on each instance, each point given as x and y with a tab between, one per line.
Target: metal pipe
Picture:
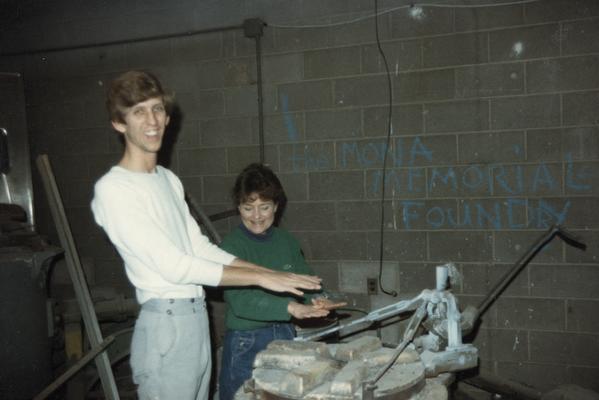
123	41
524	260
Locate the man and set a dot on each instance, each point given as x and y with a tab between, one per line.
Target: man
141	207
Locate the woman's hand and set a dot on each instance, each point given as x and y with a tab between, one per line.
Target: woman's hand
323	303
303	311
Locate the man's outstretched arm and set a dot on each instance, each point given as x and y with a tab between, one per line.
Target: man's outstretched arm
243	273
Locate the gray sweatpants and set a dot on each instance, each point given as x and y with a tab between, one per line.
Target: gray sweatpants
170	350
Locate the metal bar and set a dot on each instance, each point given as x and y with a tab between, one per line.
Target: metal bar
77	276
203	218
123	41
74	368
260	97
516	268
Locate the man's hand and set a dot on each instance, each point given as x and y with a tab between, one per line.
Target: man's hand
287	282
302	311
253	275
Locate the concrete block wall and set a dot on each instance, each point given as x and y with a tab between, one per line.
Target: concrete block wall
495	138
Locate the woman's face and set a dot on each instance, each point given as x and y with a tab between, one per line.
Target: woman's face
257	215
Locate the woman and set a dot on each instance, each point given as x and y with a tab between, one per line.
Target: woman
256	317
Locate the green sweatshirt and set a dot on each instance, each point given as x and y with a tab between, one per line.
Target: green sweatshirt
250	308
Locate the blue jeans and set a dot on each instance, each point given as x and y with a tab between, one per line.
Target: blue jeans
239	351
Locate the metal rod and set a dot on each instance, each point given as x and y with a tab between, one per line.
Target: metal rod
92	327
260	98
523	261
123	41
202	218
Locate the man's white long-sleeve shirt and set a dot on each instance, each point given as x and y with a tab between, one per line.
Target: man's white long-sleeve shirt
146	218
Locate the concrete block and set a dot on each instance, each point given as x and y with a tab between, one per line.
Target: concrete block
542	377
544	144
539	314
580	37
296	185
237	44
421	21
211	74
562	74
537	180
202	161
591	255
332	62
217	189
480	279
406	120
404	183
502	345
560	10
305	157
362	215
313	216
239	71
202	104
404	55
225	131
460	246
281	128
198	47
525	112
525	43
329	272
240	157
559	281
282	68
404	246
492	147
457	49
473	19
581	316
193	185
490	80
556	347
511	245
361	91
308	95
414	277
334	245
349	379
339	185
580	108
355	349
296	39
360	31
581	212
456	116
243	100
322	125
431	85
148	54
354	275
581	143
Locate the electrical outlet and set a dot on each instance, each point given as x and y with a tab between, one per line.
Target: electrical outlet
371	286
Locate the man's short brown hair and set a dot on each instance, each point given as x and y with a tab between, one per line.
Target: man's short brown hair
131	88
